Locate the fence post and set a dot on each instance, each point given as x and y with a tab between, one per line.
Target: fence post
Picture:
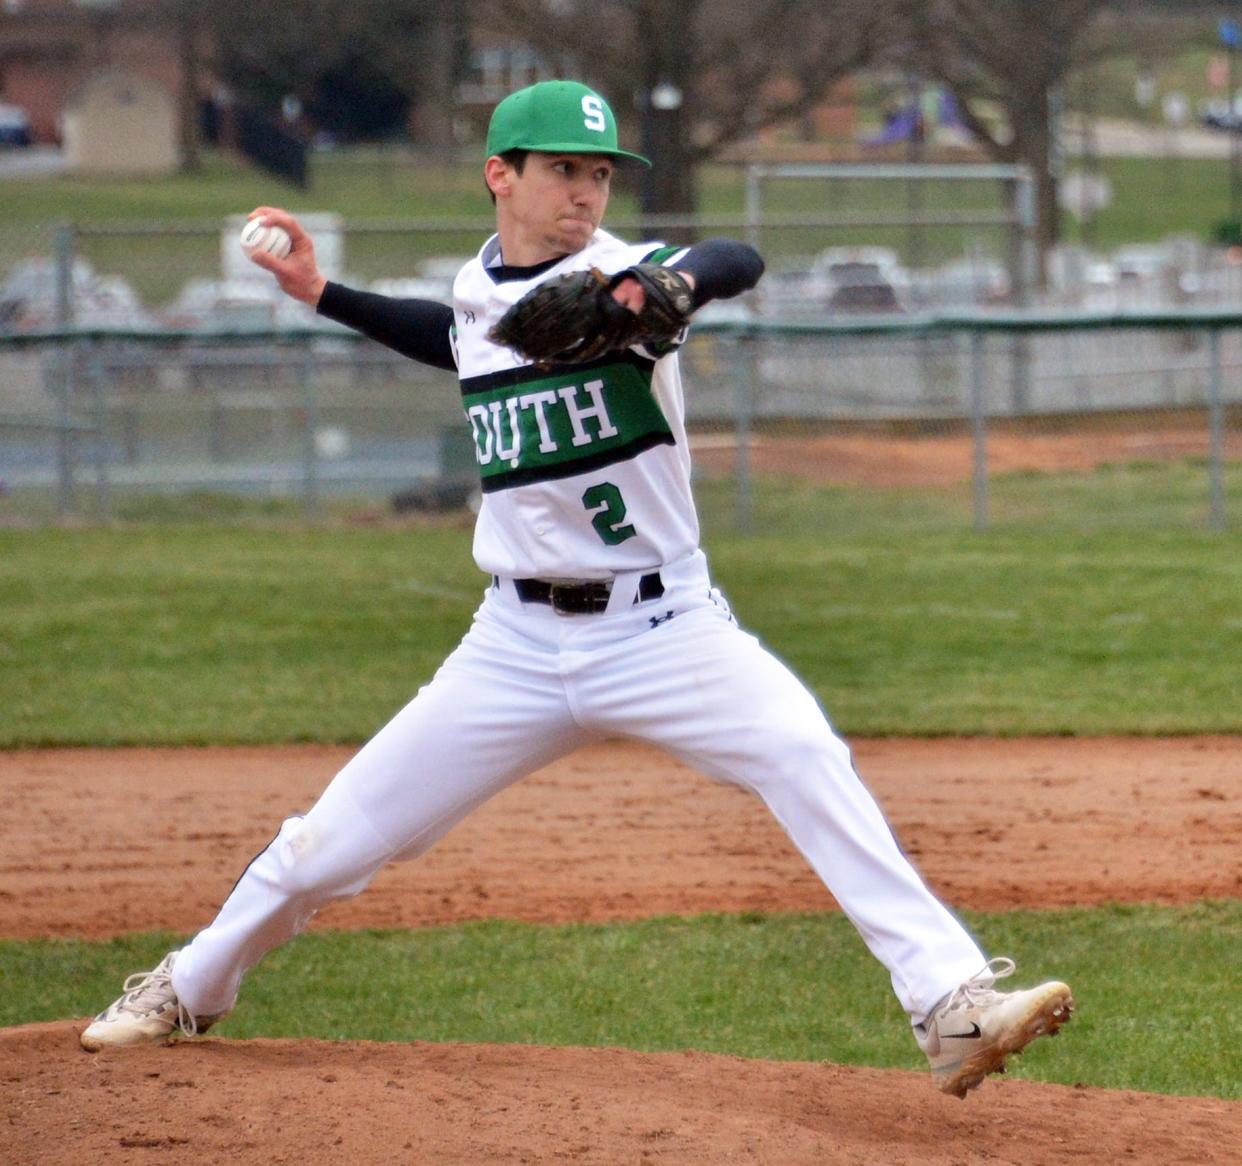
99	412
754	205
62	367
1216	435
1025	239
61	375
65	246
743	407
310	454
979	431
1024	276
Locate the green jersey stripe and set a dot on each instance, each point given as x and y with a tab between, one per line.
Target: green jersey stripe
662	254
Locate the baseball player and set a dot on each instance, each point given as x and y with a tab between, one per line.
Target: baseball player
599	617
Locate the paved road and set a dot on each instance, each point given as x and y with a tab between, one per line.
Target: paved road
1112	138
31	162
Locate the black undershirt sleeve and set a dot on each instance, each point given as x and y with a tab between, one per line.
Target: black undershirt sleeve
418	329
721	268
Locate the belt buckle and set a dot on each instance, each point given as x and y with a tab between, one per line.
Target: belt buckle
588	598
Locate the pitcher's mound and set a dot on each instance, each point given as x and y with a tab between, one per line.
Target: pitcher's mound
315	1102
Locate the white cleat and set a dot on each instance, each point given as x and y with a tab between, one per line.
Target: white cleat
975	1028
148	1012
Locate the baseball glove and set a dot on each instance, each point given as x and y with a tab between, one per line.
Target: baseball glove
575	319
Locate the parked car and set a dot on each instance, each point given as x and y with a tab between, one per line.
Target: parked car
433	279
240	305
1138	261
971	281
29	293
859	279
15	128
1219	115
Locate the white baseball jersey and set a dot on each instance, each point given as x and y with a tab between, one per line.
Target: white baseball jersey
585	471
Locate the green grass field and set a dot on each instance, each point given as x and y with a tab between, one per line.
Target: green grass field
782	987
1122	497
194	633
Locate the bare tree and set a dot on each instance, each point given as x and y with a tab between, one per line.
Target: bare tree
698	75
1016	55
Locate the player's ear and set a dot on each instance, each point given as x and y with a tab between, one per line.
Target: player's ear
498	175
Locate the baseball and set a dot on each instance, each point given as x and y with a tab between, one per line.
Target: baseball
256	237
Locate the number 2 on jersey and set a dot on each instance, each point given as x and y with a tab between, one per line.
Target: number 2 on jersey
609	519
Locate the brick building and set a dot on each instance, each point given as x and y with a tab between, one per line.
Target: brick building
48	48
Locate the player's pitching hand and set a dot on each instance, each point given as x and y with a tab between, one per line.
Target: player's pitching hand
298	272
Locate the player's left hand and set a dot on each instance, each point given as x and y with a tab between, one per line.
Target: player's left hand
579	317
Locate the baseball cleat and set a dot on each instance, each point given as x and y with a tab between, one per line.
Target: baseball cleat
975	1028
148	1012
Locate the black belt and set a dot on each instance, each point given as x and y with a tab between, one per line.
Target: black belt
587	598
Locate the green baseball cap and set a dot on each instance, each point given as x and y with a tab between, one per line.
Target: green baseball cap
556	117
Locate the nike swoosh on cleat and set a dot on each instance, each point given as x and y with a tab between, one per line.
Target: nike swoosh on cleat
974	1032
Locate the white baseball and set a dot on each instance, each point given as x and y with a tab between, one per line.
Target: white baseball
274	240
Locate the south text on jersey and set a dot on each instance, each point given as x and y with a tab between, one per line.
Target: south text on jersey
532	426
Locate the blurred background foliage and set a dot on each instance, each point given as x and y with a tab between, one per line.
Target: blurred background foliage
694	80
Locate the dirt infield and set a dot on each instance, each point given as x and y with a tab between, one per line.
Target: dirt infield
101	842
621	832
931	459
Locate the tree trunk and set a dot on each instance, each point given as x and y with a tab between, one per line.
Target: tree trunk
1033	146
432	121
668	188
188	97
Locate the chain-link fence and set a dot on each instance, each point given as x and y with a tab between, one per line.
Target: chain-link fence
972	421
963	421
105	425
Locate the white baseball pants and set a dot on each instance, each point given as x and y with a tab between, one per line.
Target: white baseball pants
528	685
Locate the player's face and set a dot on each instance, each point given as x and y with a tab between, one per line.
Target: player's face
554	206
